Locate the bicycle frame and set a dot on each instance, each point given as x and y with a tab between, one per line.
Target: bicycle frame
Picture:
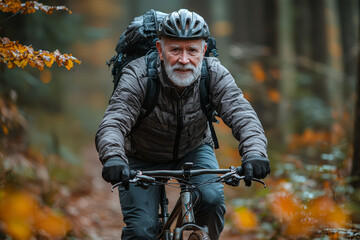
183	211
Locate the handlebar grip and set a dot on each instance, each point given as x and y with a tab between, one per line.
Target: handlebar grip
239	171
132	174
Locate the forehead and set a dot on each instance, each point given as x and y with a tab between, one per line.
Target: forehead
183	42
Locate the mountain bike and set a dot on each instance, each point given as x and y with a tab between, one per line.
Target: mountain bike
183	211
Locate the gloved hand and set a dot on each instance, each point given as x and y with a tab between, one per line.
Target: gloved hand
255	166
116	170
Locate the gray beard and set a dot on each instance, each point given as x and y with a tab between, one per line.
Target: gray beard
182	80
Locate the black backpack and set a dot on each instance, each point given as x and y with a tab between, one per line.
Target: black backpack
139	39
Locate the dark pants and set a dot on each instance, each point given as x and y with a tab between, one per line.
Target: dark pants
140	207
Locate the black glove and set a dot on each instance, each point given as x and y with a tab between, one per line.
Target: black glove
116	170
255	166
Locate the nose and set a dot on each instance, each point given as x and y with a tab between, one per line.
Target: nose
184	58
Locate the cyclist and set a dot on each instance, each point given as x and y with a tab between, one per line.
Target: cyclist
177	130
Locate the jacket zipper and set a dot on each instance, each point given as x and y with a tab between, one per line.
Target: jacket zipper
180	125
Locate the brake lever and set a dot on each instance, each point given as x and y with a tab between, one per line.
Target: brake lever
143	178
227	175
259	181
235	175
115	186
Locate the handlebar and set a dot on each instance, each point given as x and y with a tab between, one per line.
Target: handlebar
185	174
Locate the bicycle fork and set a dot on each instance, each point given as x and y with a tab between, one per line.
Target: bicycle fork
164	215
187	207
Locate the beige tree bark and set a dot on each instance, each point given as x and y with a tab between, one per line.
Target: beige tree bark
287	67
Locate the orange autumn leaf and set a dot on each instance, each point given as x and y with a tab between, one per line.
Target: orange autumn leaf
16	212
258	71
309	138
299	226
5	129
244	219
52	223
28	7
21	216
284	205
17	206
13	54
274	95
327	213
18	230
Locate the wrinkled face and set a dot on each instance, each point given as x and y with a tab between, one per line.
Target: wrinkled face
182	59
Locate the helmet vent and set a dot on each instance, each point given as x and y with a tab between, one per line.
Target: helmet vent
178	24
184	24
187	23
196	24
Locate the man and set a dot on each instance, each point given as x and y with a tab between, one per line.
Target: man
176	131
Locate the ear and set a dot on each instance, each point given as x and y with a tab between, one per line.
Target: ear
160	50
205	47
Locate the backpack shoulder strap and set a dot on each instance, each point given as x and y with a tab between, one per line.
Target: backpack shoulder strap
206	104
152	89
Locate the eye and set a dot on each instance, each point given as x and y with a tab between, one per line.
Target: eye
175	50
193	51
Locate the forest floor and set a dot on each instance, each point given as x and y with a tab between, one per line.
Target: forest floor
95	211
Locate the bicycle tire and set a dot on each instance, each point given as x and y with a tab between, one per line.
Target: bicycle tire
199	235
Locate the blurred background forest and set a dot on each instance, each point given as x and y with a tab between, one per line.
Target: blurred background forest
296	61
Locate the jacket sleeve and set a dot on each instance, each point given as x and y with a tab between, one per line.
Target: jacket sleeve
121	113
236	111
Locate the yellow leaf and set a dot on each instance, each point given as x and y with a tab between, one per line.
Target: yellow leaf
69	64
10	65
52	223
32	63
21	63
244	219
18	229
39	64
48	61
14	54
17	205
74	59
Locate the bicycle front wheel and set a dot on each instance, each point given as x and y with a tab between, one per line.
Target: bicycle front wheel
199	235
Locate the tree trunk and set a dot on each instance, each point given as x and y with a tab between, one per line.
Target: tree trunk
221	28
286	56
334	73
355	171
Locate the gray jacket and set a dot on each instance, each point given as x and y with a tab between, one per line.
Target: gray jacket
155	138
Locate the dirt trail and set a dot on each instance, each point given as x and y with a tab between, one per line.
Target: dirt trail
96	211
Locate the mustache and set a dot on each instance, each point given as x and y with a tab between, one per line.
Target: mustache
179	66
